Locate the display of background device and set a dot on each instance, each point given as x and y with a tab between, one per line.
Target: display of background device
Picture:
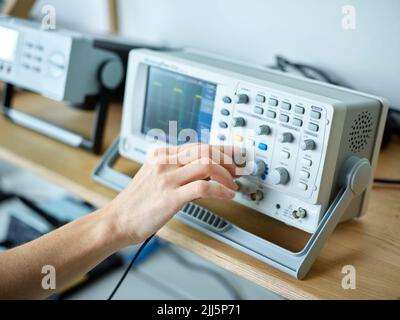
9	44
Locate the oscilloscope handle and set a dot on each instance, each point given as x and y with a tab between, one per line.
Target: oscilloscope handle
356	175
105	174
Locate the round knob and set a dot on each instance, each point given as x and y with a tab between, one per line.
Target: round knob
111	74
286	137
299	214
241	99
238	122
259	168
280	176
263	130
246	187
257	196
308	145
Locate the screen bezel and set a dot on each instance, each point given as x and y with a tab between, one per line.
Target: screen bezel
134	144
147	97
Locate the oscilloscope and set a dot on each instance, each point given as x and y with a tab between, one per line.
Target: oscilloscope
313	146
301	132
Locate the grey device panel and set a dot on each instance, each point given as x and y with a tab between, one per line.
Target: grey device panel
363	120
59	64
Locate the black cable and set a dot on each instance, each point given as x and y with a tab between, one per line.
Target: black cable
387	181
222	280
130	267
305	70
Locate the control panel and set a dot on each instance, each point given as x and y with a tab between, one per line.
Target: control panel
285	136
59	64
294	134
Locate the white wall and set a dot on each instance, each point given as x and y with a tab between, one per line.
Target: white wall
305	30
88	15
256	30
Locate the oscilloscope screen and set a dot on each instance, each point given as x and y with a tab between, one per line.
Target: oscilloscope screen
187	101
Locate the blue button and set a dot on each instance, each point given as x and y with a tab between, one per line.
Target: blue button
263	147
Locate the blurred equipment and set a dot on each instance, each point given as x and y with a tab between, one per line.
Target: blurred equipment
60	65
121	47
23	220
17	8
311	148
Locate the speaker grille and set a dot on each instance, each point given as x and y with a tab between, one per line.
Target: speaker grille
361	130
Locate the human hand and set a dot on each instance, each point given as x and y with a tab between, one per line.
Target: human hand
170	178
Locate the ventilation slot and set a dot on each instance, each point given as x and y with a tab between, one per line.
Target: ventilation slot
205	217
361	131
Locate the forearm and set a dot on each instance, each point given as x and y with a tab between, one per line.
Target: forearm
159	190
72	250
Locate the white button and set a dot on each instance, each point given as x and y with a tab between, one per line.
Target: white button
307	162
285	155
271	114
315	115
302	186
304	174
284	118
258	110
313	127
299	110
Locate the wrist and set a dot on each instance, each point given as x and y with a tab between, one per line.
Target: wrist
110	219
107	227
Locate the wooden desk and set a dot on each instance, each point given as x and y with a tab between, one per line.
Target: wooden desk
371	244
